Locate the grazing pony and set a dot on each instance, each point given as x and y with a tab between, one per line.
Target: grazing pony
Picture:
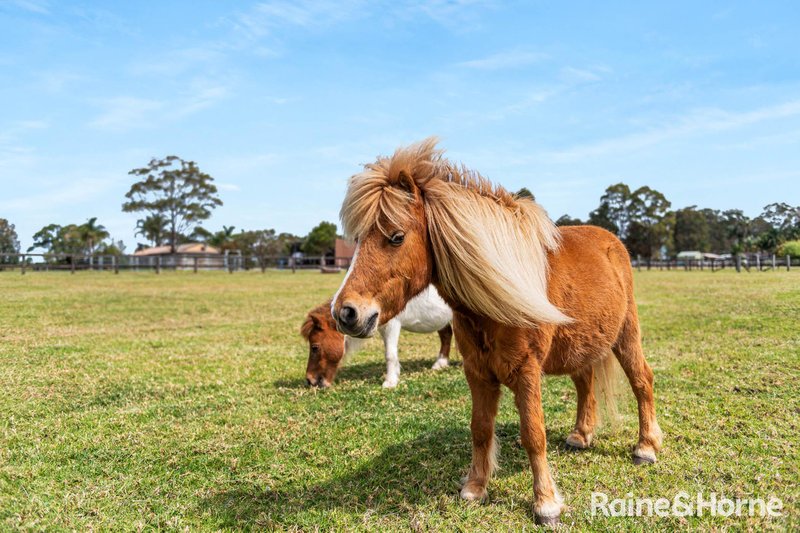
527	298
425	313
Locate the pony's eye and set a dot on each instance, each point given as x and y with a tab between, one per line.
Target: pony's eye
397	239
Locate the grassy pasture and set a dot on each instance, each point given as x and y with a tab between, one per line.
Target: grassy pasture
176	401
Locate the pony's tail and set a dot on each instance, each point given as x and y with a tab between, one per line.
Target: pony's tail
607	376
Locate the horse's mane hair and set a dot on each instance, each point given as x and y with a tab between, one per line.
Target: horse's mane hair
490	247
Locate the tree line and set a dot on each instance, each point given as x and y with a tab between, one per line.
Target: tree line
644	221
174	198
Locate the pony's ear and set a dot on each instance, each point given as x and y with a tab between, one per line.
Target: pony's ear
406	182
307	327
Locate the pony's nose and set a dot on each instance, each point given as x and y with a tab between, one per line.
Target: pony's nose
348	316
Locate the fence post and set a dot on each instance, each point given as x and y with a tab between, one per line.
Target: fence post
774	264
115	262
788	262
195	264
738	263
72	264
158	264
22	268
758	262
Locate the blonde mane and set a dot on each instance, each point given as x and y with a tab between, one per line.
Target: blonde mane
490	247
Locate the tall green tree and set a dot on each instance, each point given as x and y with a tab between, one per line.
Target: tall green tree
9	242
83	239
92	234
691	230
614	211
784	218
321	240
153	228
176	190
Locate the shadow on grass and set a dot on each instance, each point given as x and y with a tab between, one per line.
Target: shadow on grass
367	372
405	475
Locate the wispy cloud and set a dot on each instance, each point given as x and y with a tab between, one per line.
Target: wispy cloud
127	112
76	191
505	60
32	6
702	121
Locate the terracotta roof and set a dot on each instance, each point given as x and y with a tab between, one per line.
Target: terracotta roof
188	248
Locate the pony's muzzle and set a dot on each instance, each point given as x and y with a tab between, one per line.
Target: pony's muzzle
357	321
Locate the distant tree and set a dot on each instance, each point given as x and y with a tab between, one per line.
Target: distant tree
320	240
737	226
614	212
691	230
566	220
9	242
602	217
525	193
177	191
223	239
153	228
784	218
111	248
639	218
83	239
57	239
718	235
91	234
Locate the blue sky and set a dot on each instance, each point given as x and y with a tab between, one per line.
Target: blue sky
282	101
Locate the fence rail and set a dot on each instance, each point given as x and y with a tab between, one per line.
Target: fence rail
234	262
231	262
747	262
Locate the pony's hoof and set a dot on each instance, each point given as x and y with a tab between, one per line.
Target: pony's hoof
548	521
576	441
440	364
473	494
390	383
639	460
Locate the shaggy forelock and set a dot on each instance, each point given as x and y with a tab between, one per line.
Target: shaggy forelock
490	246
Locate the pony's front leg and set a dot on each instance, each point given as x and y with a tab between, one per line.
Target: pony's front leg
485	398
391	338
445	336
547	503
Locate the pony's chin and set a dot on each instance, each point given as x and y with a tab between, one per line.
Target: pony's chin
368	330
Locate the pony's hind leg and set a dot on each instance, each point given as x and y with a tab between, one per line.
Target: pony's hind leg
581	436
548	504
628	350
445	336
485	398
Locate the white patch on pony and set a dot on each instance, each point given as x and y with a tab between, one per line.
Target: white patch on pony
441	362
346	276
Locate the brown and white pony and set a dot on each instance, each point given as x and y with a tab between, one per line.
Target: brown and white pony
327	347
528	298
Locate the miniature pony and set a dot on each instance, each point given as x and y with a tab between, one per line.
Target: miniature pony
528	298
425	313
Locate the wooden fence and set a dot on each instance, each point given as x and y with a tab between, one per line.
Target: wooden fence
747	262
235	262
231	262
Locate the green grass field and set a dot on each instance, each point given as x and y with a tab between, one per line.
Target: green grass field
177	401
